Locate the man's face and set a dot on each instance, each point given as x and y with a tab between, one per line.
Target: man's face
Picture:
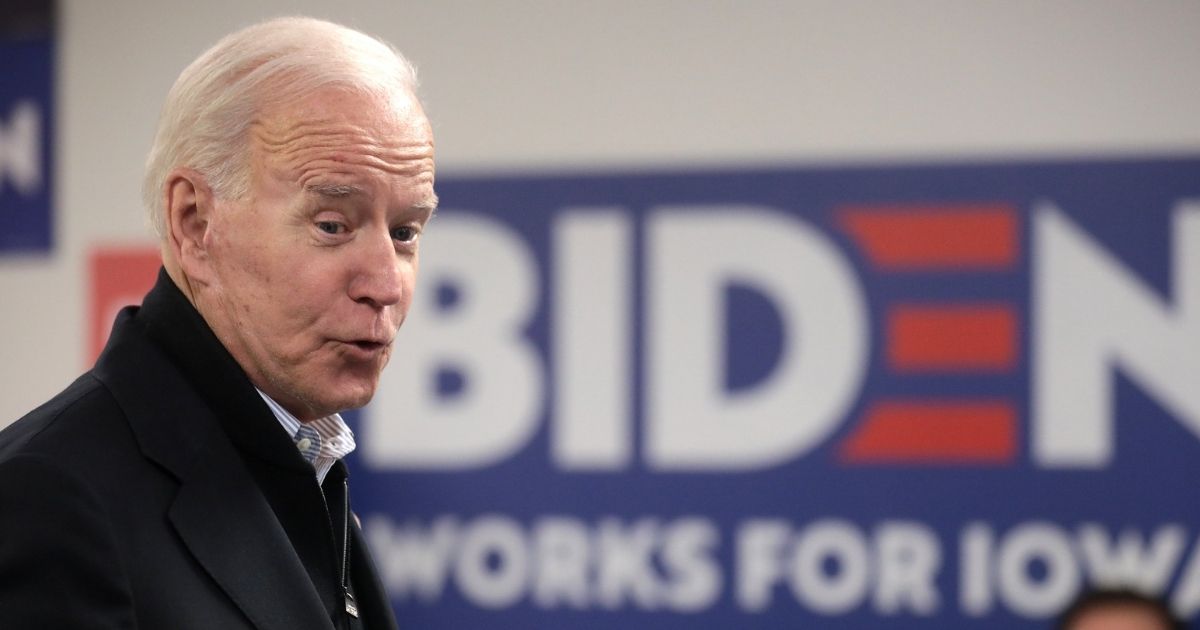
314	271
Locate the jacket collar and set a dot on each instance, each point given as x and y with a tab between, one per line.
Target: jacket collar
174	325
192	410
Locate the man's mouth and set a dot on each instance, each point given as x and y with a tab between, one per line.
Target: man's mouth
365	348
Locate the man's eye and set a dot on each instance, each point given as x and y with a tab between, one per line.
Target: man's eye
404	234
331	227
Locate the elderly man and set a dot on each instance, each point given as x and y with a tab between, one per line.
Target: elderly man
193	477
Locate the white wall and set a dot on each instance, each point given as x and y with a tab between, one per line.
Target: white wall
552	84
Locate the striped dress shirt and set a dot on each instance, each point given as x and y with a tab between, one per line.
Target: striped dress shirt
321	442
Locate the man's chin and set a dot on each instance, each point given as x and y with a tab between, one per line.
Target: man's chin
352	398
337	387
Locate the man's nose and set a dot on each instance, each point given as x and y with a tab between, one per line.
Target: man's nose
377	280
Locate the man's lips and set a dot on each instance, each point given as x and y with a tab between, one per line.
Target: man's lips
366	346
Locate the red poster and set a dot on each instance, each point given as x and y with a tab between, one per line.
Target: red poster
119	277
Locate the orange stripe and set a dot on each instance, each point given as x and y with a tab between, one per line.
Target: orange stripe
927	237
934	432
953	337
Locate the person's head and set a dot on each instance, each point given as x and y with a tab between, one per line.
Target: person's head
290	180
1118	609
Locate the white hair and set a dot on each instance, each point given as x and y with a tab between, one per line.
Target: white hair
206	119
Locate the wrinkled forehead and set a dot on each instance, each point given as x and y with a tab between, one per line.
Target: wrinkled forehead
341	125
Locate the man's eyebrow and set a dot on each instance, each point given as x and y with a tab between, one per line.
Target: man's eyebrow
336	191
341	191
430	205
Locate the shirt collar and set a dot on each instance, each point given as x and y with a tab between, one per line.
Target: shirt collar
321	443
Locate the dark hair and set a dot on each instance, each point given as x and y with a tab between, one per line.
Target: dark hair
1093	599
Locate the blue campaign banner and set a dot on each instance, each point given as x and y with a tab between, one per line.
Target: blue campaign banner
26	127
944	395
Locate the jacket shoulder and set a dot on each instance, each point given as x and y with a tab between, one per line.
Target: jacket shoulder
81	415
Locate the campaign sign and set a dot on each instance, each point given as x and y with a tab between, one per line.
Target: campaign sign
937	396
26	116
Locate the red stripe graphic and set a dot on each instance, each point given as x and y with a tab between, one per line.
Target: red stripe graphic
953	337
935	432
119	276
932	237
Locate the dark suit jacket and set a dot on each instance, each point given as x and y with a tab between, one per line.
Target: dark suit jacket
159	491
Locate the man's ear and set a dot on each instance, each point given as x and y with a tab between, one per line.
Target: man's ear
189	206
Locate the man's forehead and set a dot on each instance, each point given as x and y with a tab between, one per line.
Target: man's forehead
332	144
337	115
333	105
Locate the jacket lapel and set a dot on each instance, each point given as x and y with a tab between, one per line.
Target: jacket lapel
219	512
230	529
